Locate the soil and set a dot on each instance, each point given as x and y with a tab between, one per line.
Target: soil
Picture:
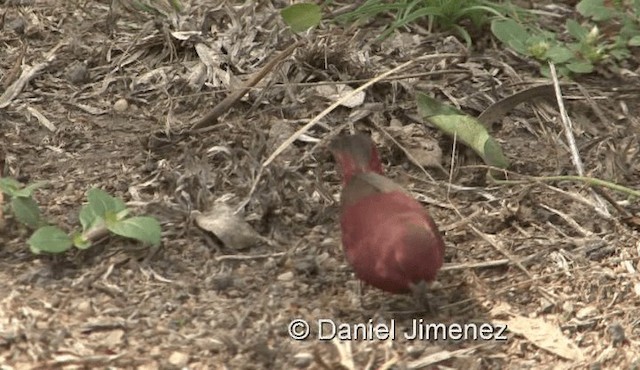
111	107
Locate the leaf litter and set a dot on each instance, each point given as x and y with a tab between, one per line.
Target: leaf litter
192	304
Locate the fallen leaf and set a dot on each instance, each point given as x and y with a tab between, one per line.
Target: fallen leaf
335	92
423	149
465	128
232	230
543	334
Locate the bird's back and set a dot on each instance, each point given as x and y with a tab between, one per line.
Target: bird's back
391	241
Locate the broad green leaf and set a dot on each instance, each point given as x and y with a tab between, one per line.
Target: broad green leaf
28	190
580	67
88	217
620	53
49	239
595	9
144	229
634	41
576	30
512	34
301	17
9	185
102	203
465	128
26	210
559	54
429	107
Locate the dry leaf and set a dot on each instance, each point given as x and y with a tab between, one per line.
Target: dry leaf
543	334
423	149
279	132
335	92
232	230
113	339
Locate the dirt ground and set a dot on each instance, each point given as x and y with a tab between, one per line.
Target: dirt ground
111	104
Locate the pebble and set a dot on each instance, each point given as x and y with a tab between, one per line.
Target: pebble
120	105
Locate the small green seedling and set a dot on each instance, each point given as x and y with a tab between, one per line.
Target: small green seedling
103	214
23	206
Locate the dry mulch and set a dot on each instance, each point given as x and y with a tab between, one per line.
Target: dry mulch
107	101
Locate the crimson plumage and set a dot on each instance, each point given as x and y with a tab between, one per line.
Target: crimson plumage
389	238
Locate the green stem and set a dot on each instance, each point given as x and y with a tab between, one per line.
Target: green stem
586	180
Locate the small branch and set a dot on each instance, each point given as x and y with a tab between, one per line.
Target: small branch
242	257
587	180
206	123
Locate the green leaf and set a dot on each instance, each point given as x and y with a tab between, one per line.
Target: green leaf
429	107
49	239
88	217
620	53
511	34
634	41
301	17
580	67
464	34
144	229
576	30
595	9
28	190
465	128
26	211
562	71
9	186
102	203
559	54
544	70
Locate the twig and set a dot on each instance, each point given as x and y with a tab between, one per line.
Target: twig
28	73
206	123
243	257
476	265
566	122
568	131
568	219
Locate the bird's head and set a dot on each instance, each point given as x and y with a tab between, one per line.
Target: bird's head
355	154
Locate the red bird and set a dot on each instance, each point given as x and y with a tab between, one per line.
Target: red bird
389	239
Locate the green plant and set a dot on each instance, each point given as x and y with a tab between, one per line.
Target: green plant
442	14
302	16
100	216
464	128
22	205
587	45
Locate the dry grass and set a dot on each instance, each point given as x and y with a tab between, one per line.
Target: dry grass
96	100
